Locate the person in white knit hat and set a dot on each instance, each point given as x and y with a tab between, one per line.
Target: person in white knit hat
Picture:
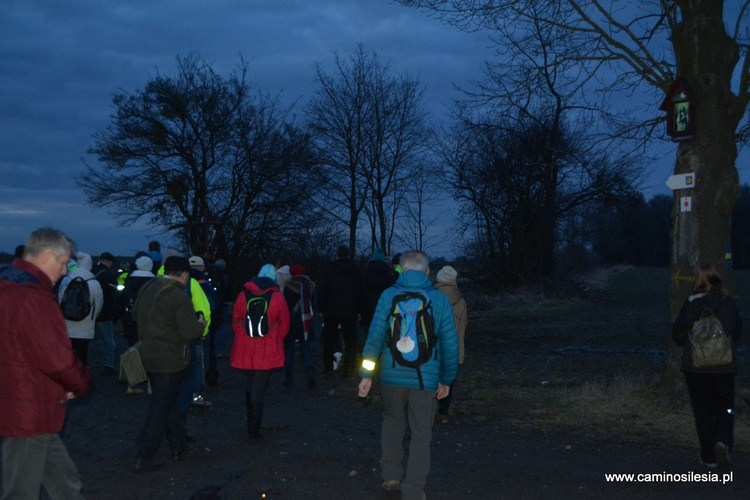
81	332
446	283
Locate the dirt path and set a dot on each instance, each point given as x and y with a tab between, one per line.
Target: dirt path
324	444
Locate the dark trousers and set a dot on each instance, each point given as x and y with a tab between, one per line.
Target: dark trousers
331	337
712	399
163	418
304	348
81	348
444	404
402	404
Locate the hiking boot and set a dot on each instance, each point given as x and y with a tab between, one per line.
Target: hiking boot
134	390
198	400
722	455
147	464
392	485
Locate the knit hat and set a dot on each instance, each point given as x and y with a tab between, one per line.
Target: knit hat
283	270
176	264
144	263
84	260
155	256
196	261
447	275
220	264
267	271
378	255
299	270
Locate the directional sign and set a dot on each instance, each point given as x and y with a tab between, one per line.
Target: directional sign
681	181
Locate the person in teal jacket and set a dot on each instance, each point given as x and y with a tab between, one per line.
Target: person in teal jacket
406	388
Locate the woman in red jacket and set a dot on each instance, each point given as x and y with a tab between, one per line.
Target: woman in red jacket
261	322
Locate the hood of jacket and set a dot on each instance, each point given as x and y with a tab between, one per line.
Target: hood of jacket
450	290
416	280
23	272
260	285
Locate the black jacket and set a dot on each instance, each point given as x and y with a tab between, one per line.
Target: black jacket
341	290
725	309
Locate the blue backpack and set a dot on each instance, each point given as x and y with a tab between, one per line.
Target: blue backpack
411	330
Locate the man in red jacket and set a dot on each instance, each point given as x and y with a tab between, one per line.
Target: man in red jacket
39	373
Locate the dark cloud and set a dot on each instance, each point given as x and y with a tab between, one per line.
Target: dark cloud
61	62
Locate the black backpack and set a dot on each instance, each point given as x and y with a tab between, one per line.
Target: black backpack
256	313
411	330
76	300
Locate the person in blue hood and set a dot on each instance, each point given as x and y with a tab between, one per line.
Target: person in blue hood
409	390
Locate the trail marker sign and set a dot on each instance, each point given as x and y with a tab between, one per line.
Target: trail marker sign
681	181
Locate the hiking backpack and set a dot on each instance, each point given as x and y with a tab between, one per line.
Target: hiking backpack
710	343
76	300
256	313
411	330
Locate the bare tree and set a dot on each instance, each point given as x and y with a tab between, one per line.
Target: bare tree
369	131
501	174
640	48
204	157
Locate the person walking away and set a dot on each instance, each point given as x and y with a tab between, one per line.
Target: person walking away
409	392
205	302
133	284
39	372
259	343
82	331
107	275
166	325
446	283
378	277
299	295
711	388
340	299
219	282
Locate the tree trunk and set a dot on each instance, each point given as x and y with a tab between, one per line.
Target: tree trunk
706	58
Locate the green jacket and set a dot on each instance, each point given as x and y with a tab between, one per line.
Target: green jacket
166	325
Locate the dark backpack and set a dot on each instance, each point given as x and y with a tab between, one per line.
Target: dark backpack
411	330
76	300
710	343
256	313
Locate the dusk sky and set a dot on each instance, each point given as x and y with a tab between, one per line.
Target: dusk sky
61	62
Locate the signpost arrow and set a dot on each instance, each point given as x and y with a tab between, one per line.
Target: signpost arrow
681	181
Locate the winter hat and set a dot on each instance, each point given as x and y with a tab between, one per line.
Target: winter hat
268	271
155	256
378	255
283	276
220	264
144	263
72	265
283	270
84	260
196	261
447	275
299	270
176	264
